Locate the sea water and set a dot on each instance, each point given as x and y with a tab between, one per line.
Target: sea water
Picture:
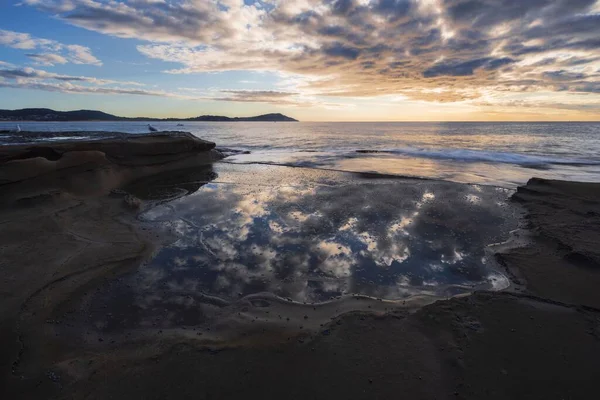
500	154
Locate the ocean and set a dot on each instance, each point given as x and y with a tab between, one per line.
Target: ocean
498	154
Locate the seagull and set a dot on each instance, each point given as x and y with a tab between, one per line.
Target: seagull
151	128
18	128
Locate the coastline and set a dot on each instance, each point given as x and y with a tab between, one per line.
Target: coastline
49	115
541	343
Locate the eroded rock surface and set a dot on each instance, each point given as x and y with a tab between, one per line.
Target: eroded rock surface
113	153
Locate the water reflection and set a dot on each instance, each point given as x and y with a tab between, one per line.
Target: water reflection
491	173
310	244
170	185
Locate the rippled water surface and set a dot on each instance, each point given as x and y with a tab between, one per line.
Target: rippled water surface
504	154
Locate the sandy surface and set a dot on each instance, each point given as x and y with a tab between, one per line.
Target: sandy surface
538	341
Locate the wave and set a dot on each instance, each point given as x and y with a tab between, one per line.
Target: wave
228	152
465	155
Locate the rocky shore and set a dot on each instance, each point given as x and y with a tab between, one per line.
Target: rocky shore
109	160
69	224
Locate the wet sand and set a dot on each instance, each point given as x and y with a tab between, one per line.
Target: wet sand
61	248
564	263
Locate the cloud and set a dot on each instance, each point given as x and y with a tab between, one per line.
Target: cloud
274	97
31	73
466	68
37	79
257	95
50	49
18	40
81	55
195	21
266	96
340	50
434	50
563	76
71	88
30	78
47	59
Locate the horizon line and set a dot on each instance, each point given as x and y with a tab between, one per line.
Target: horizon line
322	121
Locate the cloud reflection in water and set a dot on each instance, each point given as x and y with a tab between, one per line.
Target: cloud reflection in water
311	243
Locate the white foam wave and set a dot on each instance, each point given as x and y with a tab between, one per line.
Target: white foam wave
467	155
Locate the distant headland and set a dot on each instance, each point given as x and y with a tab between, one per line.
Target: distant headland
46	114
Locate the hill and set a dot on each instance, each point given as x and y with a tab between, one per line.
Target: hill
262	118
46	114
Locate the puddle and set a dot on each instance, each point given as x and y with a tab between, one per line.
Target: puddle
253	252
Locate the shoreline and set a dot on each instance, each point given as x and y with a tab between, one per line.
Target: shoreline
484	345
500	165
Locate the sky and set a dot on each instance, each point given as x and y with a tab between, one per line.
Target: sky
328	60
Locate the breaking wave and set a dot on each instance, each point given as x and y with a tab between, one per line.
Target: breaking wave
466	155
